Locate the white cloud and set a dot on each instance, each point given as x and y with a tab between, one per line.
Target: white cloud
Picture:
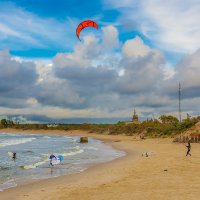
187	73
110	37
134	48
32	101
20	29
173	25
80	84
168	71
82	55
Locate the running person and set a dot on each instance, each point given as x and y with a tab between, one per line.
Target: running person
188	148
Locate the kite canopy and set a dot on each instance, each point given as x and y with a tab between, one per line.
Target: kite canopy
85	24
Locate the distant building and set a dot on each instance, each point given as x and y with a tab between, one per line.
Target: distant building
135	119
52	125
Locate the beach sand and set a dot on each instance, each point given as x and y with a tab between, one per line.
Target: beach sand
165	175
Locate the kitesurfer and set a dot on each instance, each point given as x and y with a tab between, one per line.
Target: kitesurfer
85	24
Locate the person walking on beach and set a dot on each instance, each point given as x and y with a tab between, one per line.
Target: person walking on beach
188	148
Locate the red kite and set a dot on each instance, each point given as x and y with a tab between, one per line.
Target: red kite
85	24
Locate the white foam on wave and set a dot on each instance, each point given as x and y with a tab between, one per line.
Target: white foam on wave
77	147
65	154
72	153
10	134
10	154
47	137
9	142
8	184
37	164
68	137
46	158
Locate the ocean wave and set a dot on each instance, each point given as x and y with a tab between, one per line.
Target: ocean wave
35	165
76	147
68	137
8	184
76	150
46	158
4	168
92	148
47	137
9	142
10	154
72	153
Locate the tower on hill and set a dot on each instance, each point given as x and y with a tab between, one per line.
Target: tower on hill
135	117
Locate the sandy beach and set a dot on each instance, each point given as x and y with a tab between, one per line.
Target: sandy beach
165	174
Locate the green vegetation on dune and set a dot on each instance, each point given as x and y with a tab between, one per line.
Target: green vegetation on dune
164	127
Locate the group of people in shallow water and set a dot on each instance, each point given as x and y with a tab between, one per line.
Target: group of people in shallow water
60	157
54	160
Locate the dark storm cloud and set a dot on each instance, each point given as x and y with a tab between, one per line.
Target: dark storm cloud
17	80
76	82
187	73
83	85
58	93
141	74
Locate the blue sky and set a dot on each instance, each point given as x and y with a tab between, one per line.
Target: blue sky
61	18
65	16
136	58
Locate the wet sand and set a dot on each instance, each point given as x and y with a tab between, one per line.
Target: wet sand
165	174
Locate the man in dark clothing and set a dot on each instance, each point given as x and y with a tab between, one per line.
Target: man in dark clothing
14	155
188	148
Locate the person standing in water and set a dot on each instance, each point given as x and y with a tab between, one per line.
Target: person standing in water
51	159
188	148
14	156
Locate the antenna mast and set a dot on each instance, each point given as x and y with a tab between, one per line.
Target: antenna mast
179	98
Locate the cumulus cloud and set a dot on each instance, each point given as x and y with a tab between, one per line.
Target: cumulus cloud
135	48
87	82
56	92
82	55
110	37
142	68
187	73
93	82
16	79
173	25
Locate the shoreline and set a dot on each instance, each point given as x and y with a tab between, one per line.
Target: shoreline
21	182
103	138
165	174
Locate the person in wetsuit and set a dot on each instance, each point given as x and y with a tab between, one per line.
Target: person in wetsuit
188	148
51	158
14	156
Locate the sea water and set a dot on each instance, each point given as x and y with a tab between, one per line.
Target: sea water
33	151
